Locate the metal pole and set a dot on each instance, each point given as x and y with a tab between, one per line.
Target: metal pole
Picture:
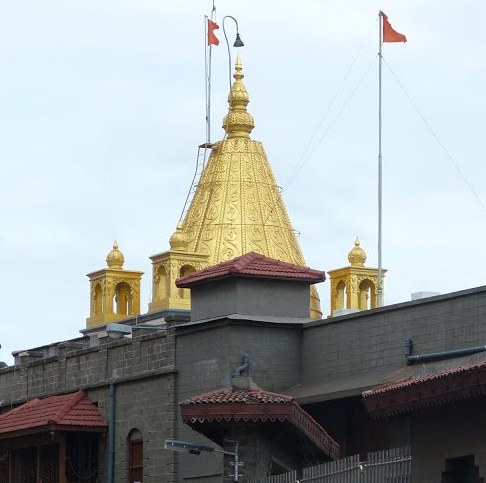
380	214
207	82
110	454
228	47
208	65
237	464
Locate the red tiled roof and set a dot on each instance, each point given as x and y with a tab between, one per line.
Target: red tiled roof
255	405
416	392
250	396
69	410
253	265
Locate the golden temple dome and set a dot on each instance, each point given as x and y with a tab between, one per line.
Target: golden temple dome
178	240
357	256
115	258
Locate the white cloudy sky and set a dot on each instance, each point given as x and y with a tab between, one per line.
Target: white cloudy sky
102	110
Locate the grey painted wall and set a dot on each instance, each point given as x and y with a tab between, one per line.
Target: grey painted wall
250	296
445	432
375	339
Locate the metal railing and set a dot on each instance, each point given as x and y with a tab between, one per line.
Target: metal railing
391	466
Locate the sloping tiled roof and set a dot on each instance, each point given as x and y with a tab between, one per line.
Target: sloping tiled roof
249	396
68	411
416	392
253	265
255	405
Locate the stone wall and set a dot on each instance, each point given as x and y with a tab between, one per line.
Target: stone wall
142	369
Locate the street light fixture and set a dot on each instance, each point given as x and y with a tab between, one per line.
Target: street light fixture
237	43
194	448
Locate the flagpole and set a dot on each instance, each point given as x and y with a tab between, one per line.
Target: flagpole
208	76
380	174
207	85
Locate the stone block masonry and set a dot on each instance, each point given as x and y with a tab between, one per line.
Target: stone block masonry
142	369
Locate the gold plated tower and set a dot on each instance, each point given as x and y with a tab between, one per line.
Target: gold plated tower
115	292
237	208
354	287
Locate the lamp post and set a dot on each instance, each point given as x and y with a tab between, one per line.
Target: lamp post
237	43
194	448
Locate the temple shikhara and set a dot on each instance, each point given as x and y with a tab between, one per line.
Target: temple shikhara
234	364
237	208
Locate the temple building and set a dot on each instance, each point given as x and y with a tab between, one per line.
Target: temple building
234	357
237	208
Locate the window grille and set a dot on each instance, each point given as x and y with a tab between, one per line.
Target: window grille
82	458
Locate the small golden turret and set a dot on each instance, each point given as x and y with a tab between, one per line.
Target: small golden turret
354	287
115	292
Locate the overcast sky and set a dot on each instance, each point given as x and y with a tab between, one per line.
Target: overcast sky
102	110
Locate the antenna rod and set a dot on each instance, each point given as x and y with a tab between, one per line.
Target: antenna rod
380	174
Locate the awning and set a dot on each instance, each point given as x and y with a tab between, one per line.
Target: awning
255	405
423	391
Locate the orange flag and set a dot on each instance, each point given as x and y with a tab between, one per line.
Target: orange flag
389	34
212	39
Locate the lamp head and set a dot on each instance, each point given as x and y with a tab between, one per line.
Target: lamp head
238	41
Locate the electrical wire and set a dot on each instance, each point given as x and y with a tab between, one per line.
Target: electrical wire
304	161
305	154
436	137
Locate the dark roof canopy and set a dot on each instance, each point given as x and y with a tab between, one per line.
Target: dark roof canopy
422	391
254	405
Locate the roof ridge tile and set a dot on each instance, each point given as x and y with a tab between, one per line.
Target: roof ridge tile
68	405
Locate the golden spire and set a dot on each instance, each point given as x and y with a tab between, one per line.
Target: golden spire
357	256
238	122
115	258
236	209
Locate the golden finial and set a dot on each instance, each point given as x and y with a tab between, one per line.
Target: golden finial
238	122
178	241
115	258
357	256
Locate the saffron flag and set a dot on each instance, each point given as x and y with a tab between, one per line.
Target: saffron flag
389	33
212	39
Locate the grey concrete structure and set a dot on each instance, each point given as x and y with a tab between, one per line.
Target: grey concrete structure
326	365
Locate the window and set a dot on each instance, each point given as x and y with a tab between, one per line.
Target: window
461	470
135	456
